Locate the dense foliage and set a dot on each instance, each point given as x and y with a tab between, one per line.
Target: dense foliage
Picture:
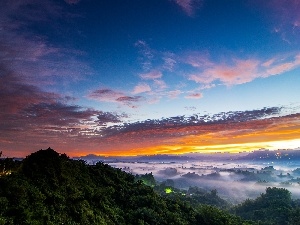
273	207
49	188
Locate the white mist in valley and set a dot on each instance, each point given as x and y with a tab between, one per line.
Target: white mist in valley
234	181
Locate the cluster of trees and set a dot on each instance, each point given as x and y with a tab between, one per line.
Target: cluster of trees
50	188
273	207
194	195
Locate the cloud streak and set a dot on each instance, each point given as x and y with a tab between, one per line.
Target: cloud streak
153	75
231	131
30	56
109	95
32	117
141	88
240	71
189	6
194	96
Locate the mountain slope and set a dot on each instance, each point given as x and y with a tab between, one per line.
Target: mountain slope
50	188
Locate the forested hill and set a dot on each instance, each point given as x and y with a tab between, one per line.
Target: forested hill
50	188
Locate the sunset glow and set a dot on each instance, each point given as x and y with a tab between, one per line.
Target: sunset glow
131	77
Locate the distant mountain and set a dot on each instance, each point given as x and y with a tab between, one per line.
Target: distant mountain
147	158
161	158
272	155
167	158
263	154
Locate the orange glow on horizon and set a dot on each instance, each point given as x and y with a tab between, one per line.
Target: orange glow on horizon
221	148
273	133
281	133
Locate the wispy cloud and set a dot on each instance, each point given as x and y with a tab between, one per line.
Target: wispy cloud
155	76
129	100
72	2
189	6
109	95
141	88
279	67
169	61
32	117
284	17
240	71
160	84
147	54
194	96
174	94
105	95
287	11
152	75
29	55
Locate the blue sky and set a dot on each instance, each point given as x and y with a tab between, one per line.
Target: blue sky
73	71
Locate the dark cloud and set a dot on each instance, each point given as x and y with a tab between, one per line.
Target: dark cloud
27	106
30	117
182	125
27	53
128	99
109	95
105	94
16	95
106	117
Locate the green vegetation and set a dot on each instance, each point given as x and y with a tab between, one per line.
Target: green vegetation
273	207
49	188
168	190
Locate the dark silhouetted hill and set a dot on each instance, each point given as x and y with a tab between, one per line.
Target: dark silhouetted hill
50	188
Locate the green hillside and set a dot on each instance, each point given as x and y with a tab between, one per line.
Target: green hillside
49	188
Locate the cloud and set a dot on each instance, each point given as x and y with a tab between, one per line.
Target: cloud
72	2
18	13
197	59
128	99
174	94
105	95
189	6
191	108
160	84
109	95
31	117
240	71
175	125
287	11
228	131
147	54
153	75
275	68
283	17
103	118
140	88
29	105
15	95
28	54
169	61
194	96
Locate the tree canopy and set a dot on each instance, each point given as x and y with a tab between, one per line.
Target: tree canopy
50	188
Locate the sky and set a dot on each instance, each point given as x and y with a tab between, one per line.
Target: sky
132	77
